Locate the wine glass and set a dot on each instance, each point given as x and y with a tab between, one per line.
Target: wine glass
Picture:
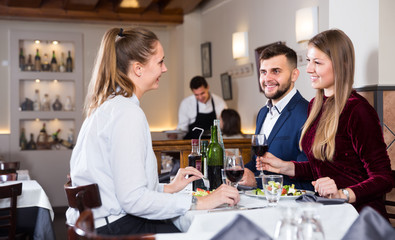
310	227
234	169
259	146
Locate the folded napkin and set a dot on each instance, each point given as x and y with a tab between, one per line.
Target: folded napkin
314	198
370	225
241	228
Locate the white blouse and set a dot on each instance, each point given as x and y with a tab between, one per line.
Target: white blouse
114	150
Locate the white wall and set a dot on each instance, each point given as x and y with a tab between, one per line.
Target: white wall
361	24
386	42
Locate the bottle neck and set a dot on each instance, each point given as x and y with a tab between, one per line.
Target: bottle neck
195	149
214	136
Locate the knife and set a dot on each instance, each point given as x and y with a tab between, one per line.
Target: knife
234	209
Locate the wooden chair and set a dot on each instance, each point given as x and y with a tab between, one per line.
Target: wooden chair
84	229
10	165
5	177
390	203
8	219
81	197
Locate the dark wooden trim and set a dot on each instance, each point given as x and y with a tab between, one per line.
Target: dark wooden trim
184	148
375	88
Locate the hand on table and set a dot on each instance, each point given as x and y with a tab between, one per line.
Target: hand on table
224	194
248	178
326	187
180	181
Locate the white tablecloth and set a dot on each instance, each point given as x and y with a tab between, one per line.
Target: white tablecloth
200	225
33	195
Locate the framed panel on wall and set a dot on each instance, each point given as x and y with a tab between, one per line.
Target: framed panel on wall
206	59
226	84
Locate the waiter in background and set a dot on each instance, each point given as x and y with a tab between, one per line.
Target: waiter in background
199	109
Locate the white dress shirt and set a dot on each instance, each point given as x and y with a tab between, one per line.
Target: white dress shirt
114	150
275	112
187	111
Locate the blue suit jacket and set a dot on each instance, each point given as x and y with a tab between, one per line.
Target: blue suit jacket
284	138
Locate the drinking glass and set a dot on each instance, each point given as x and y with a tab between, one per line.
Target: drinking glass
287	226
273	186
310	227
259	146
234	169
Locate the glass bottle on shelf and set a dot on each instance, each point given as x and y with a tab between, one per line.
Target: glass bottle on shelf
21	60
70	136
37	102
31	145
37	61
45	66
46	106
68	106
62	67
57	105
29	65
22	140
54	63
215	160
69	63
42	139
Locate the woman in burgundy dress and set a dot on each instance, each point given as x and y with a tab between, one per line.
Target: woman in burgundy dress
342	136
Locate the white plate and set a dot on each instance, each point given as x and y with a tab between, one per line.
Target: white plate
252	194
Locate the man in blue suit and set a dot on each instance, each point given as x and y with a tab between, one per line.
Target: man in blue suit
284	114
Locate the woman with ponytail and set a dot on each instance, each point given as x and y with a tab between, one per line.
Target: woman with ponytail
114	146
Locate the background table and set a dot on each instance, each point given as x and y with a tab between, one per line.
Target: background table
336	219
34	209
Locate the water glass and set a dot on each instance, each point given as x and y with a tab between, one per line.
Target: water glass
310	227
273	186
287	226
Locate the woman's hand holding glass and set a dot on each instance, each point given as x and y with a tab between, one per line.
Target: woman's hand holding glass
271	163
225	194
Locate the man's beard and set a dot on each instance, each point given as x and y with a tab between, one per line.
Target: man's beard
280	92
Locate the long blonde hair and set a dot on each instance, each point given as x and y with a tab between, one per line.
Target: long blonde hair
118	49
339	48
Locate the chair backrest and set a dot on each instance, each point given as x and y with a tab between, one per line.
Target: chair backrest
8	218
10	165
84	229
81	197
5	177
390	203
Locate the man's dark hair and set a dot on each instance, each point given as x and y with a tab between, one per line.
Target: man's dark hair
279	49
197	82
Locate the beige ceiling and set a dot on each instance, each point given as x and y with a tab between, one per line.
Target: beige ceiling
151	11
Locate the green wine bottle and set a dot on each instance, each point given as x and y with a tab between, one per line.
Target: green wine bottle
215	160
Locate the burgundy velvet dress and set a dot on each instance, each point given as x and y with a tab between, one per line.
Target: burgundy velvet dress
360	161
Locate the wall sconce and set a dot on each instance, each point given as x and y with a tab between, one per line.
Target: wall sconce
240	44
306	23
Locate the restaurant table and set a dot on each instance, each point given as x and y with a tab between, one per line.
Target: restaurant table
203	224
35	214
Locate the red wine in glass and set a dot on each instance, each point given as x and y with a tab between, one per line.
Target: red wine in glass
260	150
234	175
259	146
